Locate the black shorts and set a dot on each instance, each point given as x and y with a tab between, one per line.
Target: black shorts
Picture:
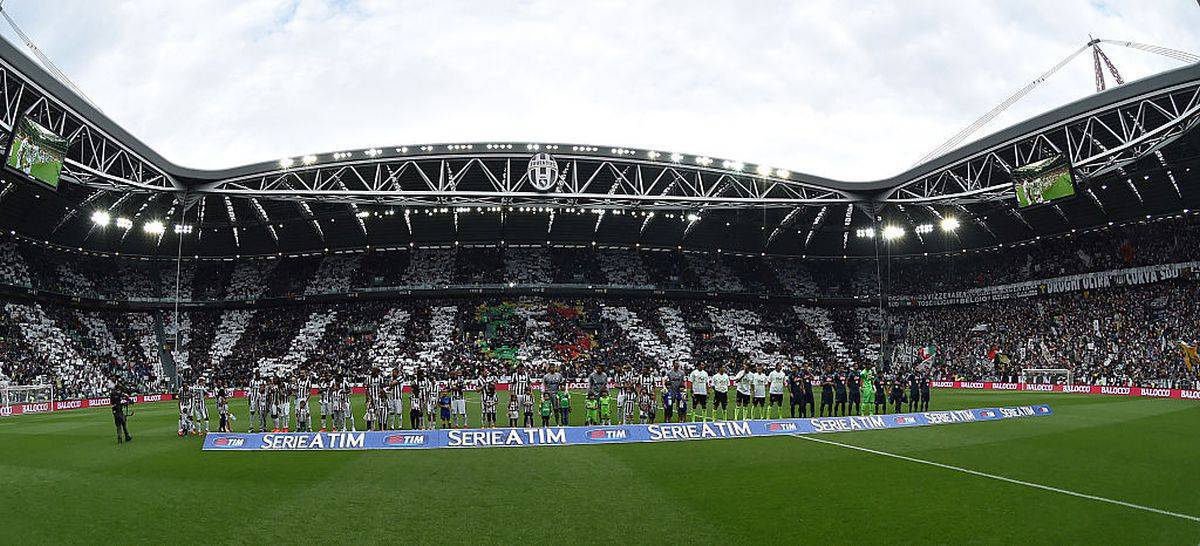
760	401
743	399
699	400
776	399
720	400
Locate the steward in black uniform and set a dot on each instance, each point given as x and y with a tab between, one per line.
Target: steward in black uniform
839	387
914	393
827	395
796	390
897	396
118	400
855	393
881	394
924	393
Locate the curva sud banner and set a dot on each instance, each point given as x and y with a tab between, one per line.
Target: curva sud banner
1182	394
585	435
30	408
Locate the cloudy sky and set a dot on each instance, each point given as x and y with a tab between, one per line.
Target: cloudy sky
850	90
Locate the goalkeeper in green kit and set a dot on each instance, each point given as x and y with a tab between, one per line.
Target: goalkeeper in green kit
868	390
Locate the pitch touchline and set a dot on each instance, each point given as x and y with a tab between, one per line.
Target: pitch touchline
1004	479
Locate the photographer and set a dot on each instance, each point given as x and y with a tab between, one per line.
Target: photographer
119	402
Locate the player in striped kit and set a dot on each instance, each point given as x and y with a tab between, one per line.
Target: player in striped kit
346	402
626	395
337	409
458	400
252	400
518	385
429	394
199	406
488	401
647	381
325	385
185	411
283	406
303	392
374	385
395	395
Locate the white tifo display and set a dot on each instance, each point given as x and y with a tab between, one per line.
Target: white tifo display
1053	376
25	394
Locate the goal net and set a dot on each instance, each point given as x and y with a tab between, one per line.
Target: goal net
1053	376
24	394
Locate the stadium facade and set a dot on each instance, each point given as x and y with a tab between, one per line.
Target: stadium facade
1131	147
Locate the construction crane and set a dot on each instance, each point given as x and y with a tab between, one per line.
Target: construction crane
1099	59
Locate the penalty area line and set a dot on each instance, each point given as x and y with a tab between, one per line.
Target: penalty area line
1003	479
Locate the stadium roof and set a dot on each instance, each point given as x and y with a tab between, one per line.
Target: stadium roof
1132	148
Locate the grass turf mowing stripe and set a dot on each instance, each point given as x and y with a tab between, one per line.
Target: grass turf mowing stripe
1003	479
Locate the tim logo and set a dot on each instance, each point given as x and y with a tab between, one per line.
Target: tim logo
404	440
987	414
602	434
903	420
782	427
226	441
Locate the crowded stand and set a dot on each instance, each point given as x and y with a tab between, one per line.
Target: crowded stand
1136	334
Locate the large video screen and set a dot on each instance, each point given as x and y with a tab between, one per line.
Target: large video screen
1043	182
36	152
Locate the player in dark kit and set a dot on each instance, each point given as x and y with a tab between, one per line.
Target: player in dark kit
914	393
827	395
881	394
852	386
808	396
839	389
897	395
924	393
796	390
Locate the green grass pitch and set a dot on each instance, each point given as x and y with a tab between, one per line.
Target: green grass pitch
64	480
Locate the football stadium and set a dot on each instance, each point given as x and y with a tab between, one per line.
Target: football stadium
531	341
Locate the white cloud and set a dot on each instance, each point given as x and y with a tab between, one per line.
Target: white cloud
844	90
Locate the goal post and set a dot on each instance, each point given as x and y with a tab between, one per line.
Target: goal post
26	394
1061	376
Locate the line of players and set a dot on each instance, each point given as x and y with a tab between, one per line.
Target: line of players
758	395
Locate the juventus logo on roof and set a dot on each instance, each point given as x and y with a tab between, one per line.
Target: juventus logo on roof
543	172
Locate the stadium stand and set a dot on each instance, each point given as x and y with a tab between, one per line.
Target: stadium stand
1127	335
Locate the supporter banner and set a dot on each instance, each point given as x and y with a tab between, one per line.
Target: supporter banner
1182	394
64	405
1071	283
618	434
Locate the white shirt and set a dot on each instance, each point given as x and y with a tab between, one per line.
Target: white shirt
777	380
699	379
720	382
759	380
743	379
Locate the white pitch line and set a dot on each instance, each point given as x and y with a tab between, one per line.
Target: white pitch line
1004	479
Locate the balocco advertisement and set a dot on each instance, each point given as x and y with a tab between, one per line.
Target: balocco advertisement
31	408
591	435
1181	394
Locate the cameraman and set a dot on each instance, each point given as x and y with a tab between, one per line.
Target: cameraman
119	401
